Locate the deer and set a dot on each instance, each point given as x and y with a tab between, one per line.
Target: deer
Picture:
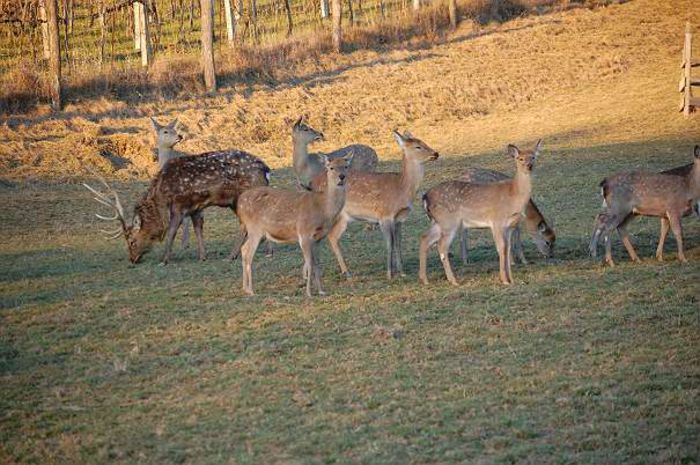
184	187
382	198
669	195
497	205
167	137
288	216
542	233
309	165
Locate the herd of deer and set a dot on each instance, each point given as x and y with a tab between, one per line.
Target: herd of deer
342	186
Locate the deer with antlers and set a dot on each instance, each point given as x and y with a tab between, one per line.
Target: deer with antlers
533	220
308	165
382	198
184	187
669	195
497	205
287	216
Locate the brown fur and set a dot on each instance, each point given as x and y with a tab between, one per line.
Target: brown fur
497	205
669	195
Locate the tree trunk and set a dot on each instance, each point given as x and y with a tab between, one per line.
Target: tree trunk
145	38
416	5
230	22
324	9
290	25
103	26
452	6
137	25
208	46
44	29
337	12
66	29
55	52
254	18
351	14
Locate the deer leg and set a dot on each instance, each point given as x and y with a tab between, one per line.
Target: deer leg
236	251
185	241
463	243
198	224
317	267
309	266
387	227
444	249
625	237
247	253
398	259
175	222
269	251
501	240
677	229
427	239
334	236
517	241
665	225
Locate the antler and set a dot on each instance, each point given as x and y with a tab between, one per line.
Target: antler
112	203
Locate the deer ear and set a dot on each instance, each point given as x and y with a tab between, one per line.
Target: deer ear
154	124
349	157
172	124
136	223
399	138
513	150
407	135
299	121
538	147
697	151
325	160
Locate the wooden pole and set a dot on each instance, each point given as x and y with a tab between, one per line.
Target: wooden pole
208	46
337	12
55	52
687	58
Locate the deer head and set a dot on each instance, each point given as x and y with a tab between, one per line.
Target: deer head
413	148
166	136
525	159
302	132
138	239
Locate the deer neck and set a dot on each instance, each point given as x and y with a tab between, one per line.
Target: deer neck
300	155
153	212
522	185
412	172
166	153
334	198
694	181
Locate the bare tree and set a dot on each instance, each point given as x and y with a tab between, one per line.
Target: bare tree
208	45
138	7
337	12
55	52
452	6
290	25
44	29
230	22
324	9
144	36
416	5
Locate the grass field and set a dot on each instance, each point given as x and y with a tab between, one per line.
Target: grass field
105	362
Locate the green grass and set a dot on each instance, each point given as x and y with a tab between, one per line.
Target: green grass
104	362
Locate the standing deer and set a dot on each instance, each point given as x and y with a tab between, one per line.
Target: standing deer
184	187
288	216
308	165
166	138
497	205
669	195
383	198
542	234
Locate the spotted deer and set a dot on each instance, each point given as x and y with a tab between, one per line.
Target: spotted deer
533	220
382	198
497	205
288	216
309	165
184	187
669	195
167	137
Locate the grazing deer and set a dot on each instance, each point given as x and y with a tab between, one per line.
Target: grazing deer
383	198
497	205
669	195
184	187
166	138
542	234
288	216
308	165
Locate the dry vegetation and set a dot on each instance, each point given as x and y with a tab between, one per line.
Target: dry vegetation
101	362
